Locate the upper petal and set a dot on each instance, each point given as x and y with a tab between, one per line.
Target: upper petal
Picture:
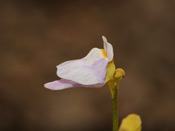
108	49
89	70
64	84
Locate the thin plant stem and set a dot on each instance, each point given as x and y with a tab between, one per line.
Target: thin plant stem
114	89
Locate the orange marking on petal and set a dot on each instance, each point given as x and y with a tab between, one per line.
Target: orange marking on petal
104	53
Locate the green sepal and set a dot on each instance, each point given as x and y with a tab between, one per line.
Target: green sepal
110	71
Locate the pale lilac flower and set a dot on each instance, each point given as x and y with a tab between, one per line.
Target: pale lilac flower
90	71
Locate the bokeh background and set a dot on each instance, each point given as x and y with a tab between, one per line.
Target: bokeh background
35	36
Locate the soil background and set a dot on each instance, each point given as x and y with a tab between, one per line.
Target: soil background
35	36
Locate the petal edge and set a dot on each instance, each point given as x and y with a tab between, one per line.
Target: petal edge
64	84
108	49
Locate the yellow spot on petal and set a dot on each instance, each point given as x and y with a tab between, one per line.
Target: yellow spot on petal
104	53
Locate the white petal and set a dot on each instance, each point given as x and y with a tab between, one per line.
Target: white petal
89	70
59	84
94	55
108	49
64	84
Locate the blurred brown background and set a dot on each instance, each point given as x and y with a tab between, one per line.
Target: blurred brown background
35	36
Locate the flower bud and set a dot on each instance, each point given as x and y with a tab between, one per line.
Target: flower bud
131	123
119	74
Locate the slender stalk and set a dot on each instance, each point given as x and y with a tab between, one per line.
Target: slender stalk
113	84
115	108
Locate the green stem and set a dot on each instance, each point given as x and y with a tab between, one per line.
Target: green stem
115	108
114	89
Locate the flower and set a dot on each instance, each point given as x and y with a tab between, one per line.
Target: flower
94	70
